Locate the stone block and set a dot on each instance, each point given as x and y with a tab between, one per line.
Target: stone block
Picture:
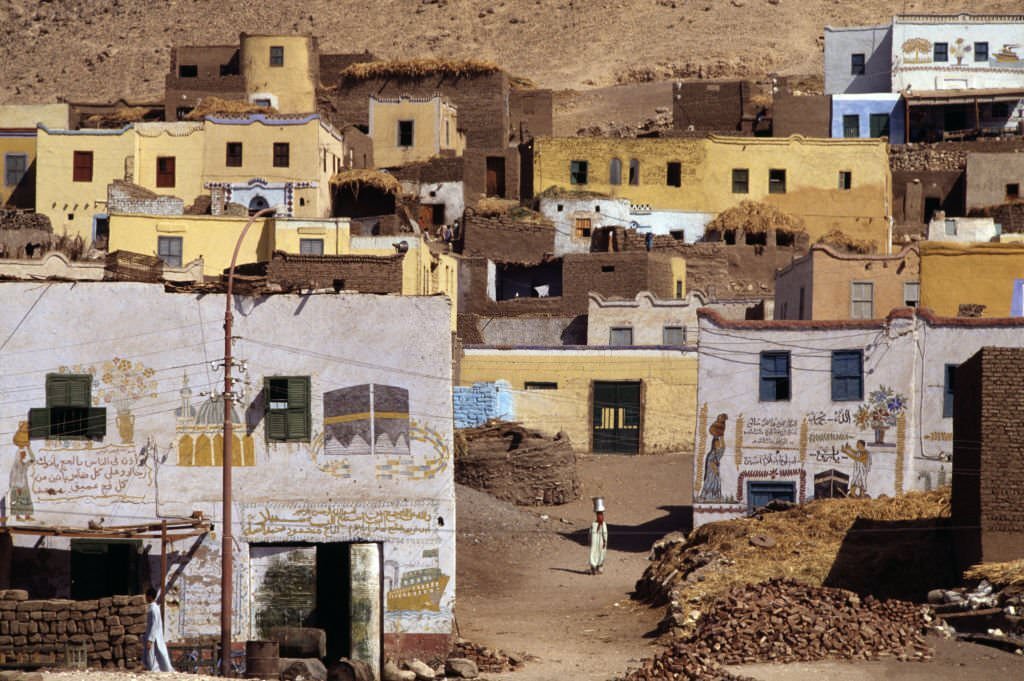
105	602
116	632
16	595
137	629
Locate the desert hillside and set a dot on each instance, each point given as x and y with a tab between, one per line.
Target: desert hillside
90	50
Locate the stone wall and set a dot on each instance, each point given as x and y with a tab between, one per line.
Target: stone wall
34	631
362	273
476	404
125	197
988	457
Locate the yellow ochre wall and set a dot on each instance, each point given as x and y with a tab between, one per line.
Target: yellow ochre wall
58	196
294	83
812	174
954	274
429	137
334	233
185	142
15	145
668	394
31	115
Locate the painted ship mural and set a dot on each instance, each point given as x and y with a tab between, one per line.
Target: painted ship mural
366	419
416	589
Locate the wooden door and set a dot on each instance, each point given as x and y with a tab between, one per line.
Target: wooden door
616	411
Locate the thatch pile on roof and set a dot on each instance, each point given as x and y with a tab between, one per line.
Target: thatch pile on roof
756	218
1010	573
556	192
118	118
417	68
365	177
844	242
215	106
494	207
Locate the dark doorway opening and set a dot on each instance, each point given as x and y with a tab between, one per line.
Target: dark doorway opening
333	594
495	176
104	567
931	204
616	412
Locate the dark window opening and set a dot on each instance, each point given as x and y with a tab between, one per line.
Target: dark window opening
540	385
857	64
165	171
756	238
288	413
879	125
276	55
948	390
577	172
634	171
15	167
311	246
101	568
168	249
777	181
847	375
69	413
729	237
188	71
775	381
233	155
182	111
1000	110
980	51
615	172
941	52
405	129
851	126
1013	191
82	171
620	336
282	154
845	179
740	181
607	268
674	174
783	238
673	335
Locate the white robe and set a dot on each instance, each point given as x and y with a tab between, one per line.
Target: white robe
155	657
598	543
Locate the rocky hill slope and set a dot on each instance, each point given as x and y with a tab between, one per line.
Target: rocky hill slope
91	50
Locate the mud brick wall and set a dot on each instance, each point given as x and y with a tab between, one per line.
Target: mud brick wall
33	631
709	106
531	113
505	239
362	273
438	169
988	457
807	115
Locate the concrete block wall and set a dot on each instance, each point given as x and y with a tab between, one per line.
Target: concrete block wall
35	631
475	405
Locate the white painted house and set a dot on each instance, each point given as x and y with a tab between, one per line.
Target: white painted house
342	455
799	409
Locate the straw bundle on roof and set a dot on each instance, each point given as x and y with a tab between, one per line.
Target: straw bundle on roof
415	68
844	242
555	192
366	177
1001	574
213	106
117	118
755	218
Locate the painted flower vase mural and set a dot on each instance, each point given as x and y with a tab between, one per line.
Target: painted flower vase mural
880	412
121	384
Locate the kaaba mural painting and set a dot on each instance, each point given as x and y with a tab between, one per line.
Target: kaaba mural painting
352	414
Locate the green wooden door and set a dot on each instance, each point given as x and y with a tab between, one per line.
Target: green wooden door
616	411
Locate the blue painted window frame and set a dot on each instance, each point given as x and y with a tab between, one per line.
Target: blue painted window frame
775	384
847	375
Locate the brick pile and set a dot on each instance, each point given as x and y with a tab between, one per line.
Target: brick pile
786	621
39	632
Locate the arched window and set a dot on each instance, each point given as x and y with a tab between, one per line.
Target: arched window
615	172
634	171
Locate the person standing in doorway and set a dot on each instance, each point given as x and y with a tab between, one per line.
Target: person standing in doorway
598	544
154	655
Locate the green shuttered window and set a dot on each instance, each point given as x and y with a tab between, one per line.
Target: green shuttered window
288	417
69	413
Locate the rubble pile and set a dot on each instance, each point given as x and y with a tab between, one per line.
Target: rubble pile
517	464
661	122
785	621
487	659
17	219
829	542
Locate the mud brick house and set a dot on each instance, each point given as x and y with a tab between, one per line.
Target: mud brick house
784	405
119	422
410	130
496	116
829	284
994	179
988	461
842	185
721	106
279	71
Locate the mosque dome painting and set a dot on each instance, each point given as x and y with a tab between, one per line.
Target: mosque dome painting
200	432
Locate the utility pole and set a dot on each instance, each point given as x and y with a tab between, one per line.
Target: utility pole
227	541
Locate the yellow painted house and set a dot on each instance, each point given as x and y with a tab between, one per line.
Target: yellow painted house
17	159
988	274
281	71
842	184
411	129
612	400
257	161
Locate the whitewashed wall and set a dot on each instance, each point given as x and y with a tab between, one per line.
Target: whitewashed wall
150	355
917	69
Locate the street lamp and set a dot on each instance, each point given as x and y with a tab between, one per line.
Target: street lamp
227	542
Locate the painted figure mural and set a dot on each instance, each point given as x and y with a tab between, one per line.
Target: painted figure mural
861	458
20	497
712	487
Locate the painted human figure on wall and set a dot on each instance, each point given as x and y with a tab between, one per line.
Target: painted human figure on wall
712	487
861	458
20	497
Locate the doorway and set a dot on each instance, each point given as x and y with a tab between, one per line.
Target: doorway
104	567
616	422
931	204
495	176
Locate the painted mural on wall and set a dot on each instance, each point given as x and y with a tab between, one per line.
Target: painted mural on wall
19	493
200	432
917	51
416	588
847	451
1007	57
366	419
